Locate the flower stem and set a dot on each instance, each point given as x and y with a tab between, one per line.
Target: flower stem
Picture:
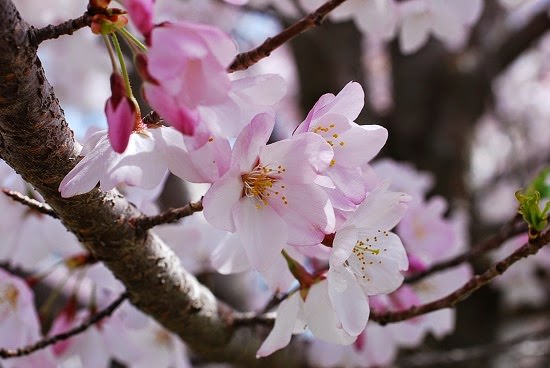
132	39
122	65
111	52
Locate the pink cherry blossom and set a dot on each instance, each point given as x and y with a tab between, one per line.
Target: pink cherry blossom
19	324
141	164
122	115
448	20
375	347
404	177
295	313
247	97
367	259
428	235
354	145
268	196
141	14
187	68
377	18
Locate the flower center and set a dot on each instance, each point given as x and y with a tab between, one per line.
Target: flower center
10	294
365	253
333	139
262	182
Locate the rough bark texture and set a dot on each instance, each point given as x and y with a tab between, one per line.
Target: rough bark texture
37	142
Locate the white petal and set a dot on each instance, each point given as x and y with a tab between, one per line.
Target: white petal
321	317
262	231
350	303
280	336
414	32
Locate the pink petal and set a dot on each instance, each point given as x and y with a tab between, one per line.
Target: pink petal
220	199
301	157
261	230
250	140
121	120
307	213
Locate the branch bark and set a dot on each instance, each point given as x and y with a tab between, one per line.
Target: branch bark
246	59
36	141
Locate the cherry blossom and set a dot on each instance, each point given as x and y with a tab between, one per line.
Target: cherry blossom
354	145
268	196
367	258
141	14
151	152
522	284
182	55
295	313
19	324
122	113
377	18
448	20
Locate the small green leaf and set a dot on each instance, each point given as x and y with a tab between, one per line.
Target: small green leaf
532	204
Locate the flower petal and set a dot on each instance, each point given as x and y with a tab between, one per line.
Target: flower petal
218	202
321	317
350	302
280	336
262	232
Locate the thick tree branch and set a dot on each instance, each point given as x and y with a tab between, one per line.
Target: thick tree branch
36	141
469	287
247	59
30	202
515	227
12	353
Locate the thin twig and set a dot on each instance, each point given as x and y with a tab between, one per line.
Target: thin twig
515	227
30	202
459	355
12	353
168	216
468	288
246	59
50	32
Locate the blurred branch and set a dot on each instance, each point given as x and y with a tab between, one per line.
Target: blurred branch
38	35
43	208
514	227
516	43
459	355
247	59
12	353
166	217
469	287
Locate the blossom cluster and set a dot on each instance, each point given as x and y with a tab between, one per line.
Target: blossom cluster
280	204
310	213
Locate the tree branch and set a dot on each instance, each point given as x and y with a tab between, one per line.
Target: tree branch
38	35
30	202
515	227
498	59
247	59
168	216
469	287
12	353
